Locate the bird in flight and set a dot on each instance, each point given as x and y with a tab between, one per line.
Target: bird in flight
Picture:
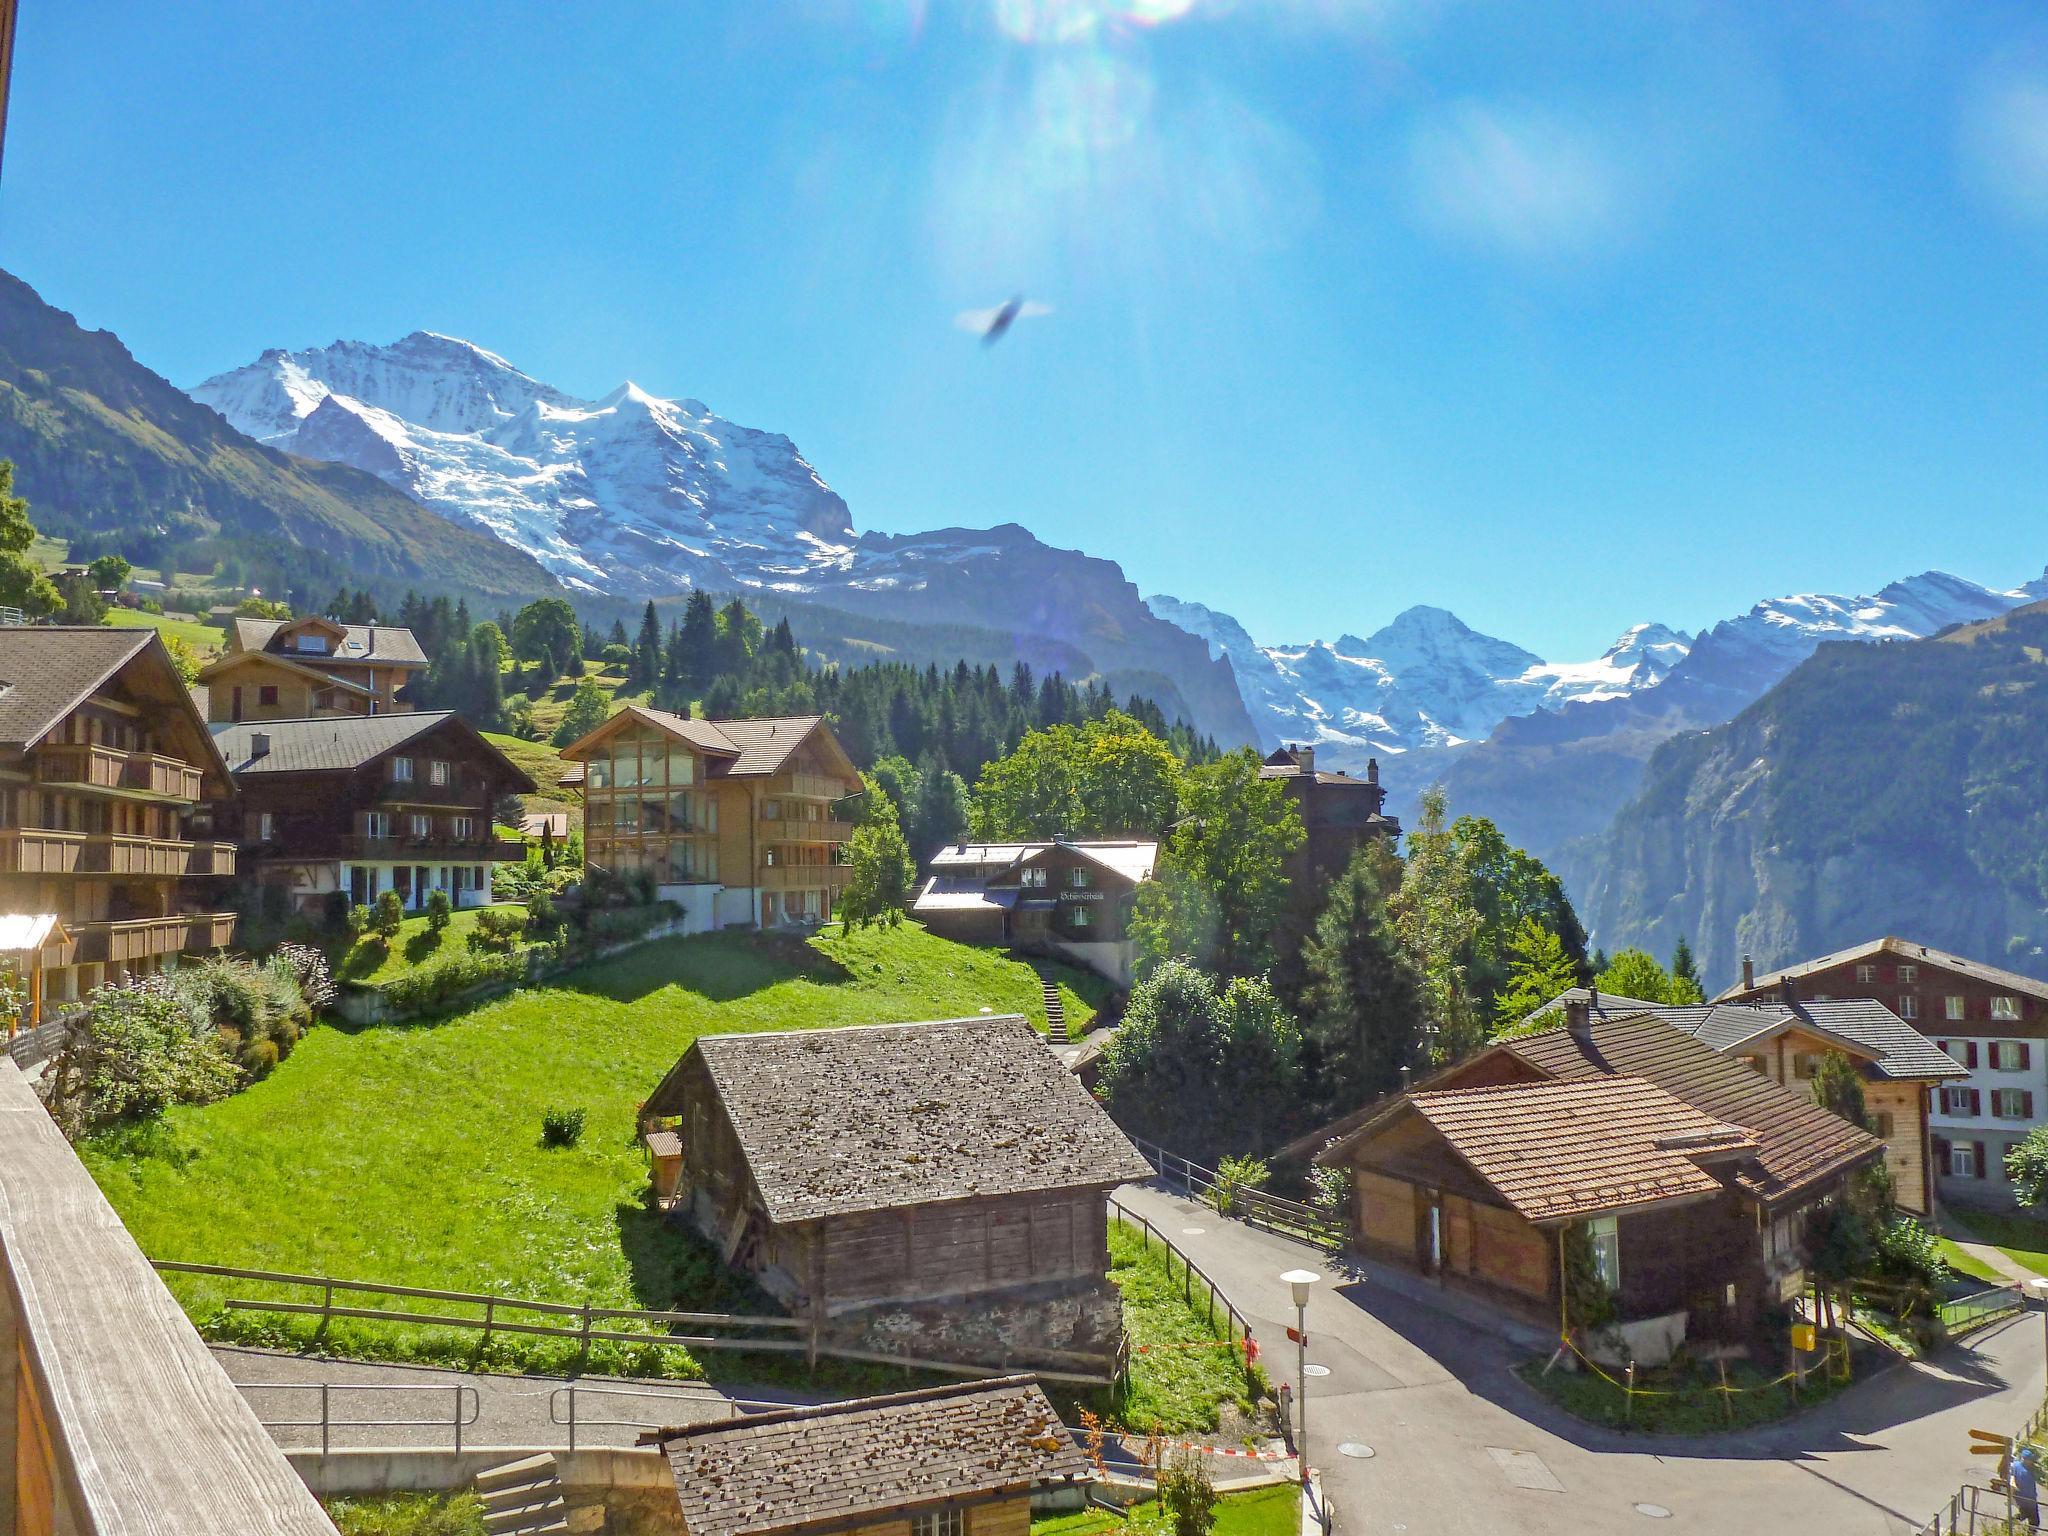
992	324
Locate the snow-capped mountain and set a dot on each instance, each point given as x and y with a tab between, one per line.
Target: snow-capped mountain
633	495
1426	679
630	493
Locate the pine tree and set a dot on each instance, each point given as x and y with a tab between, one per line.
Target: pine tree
645	670
1363	995
699	644
1685	974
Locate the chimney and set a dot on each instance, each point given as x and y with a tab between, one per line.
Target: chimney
1372	770
1593	1000
259	745
1304	757
1788	992
1578	1021
1748	973
1407	1076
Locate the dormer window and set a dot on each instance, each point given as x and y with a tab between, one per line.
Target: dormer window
315	645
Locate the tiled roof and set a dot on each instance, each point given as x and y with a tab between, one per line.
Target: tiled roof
1131	858
1798	1142
1560	1150
1902	949
390	644
940	894
1612	1005
46	672
329	744
845	1462
877	1117
749	748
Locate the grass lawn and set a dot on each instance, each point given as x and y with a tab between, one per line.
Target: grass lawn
545	766
1687	1401
1273	1511
371	960
204	639
1963	1264
1171	1389
2023	1239
411	1154
409	1514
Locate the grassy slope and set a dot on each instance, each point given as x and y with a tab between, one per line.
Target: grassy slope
370	961
1274	1511
1171	1390
410	1154
204	639
2023	1239
1963	1264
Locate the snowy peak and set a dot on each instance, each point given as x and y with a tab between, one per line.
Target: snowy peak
1438	640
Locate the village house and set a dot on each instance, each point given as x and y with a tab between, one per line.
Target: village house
1690	1174
1066	898
933	1188
1992	1021
738	822
109	791
292	669
1902	1071
338	810
962	1460
1338	812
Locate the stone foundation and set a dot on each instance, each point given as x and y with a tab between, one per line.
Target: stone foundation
1070	1324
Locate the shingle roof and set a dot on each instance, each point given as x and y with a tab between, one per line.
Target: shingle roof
796	1467
389	644
1798	1142
750	748
1904	949
877	1117
1560	1150
1132	859
45	672
1898	1051
1612	1005
330	744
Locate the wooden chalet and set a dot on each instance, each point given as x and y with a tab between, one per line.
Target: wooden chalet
290	669
1339	813
1690	1172
1066	898
939	1181
341	810
1991	1020
961	1460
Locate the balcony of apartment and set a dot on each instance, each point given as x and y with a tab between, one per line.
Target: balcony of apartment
803	877
46	851
125	939
810	786
96	767
784	829
426	850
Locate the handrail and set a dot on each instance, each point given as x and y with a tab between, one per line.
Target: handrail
567	1395
327	1423
1290	1218
1235	1323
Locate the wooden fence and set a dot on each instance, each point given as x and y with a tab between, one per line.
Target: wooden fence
582	1323
1289	1218
1236	1326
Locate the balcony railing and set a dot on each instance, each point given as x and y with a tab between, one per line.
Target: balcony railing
46	851
124	939
803	877
812	786
485	849
775	829
149	773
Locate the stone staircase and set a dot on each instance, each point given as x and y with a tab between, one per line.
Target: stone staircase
1055	1014
523	1498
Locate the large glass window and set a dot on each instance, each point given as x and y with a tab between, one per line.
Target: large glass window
682	767
597	771
1605	1234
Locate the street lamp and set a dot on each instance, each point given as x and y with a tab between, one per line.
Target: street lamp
1298	1281
2040	1289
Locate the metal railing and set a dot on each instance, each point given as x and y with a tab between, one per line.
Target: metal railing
1980	1509
466	1407
570	1396
1289	1218
1981	1307
1235	1324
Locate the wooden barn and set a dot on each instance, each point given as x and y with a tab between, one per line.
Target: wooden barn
939	1184
942	1461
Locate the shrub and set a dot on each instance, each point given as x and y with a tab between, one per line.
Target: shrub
1911	1255
1186	1495
359	920
409	1514
258	1059
543	918
388	916
1236	1176
428	986
134	1050
439	910
561	1127
498	929
308	968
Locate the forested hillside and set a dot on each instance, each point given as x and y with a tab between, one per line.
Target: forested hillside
1897	788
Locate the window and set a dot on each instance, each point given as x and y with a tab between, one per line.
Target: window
1909	1006
2012	1104
2005	1007
401	770
437	772
1865	975
939	1522
267	694
597	773
266	827
1962	1159
1961	1101
422	828
1884	1124
2010	1056
1081	917
465	828
1909	973
1605	1234
1080	879
1034	878
771	810
315	645
1804	1064
376	824
1952	1006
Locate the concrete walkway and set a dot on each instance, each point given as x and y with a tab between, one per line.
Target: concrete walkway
1997	1260
1460	1446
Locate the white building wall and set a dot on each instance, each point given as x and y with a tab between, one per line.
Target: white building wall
1996	1132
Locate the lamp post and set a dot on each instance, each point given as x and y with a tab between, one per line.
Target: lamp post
1298	1281
2039	1288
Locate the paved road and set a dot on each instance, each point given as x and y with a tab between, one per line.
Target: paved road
1457	1438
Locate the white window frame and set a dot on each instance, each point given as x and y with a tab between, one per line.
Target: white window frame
1865	975
1603	1235
401	770
949	1521
1909	973
422	826
1955	1007
1081	917
377	824
465	828
1909	1006
437	773
1962	1160
2005	1007
2000	1049
266	826
2008	1104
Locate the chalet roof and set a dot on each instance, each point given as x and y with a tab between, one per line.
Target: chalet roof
1556	1151
48	670
1799	1144
1131	859
29	932
387	644
287	662
1889	1047
342	744
840	1462
747	748
881	1116
1901	949
940	894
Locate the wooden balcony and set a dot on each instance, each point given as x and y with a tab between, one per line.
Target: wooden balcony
783	830
810	786
803	877
42	851
142	773
139	938
426	850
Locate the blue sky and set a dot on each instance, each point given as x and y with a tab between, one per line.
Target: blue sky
1561	316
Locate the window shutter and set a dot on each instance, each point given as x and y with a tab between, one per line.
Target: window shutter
1941	1153
1970	1054
2026	1055
1977	1108
2026	1103
1977	1157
